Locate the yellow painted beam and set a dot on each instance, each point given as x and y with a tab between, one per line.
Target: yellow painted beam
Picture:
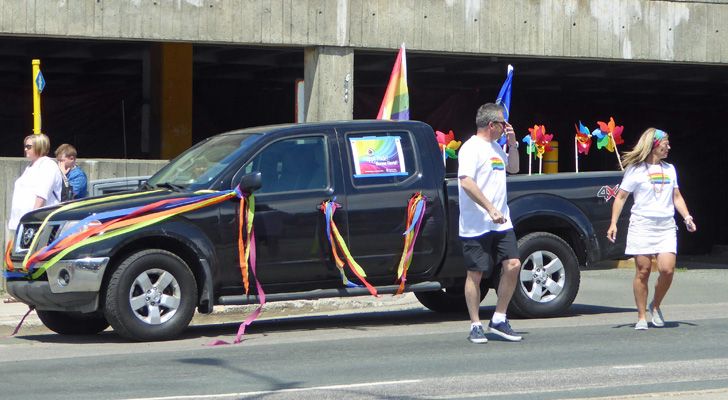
175	97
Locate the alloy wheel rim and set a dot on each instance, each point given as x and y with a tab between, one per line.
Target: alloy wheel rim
155	296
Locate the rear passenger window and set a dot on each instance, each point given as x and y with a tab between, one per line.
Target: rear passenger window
380	158
292	165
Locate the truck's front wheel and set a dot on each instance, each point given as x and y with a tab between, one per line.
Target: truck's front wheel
71	323
151	296
549	277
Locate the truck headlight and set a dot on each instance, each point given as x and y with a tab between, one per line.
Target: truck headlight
74	226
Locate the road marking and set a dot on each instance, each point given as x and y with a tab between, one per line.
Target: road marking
628	366
265	392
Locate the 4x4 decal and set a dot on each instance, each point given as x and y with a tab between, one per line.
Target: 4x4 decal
607	192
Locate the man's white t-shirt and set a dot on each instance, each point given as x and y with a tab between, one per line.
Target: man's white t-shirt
652	187
486	163
40	179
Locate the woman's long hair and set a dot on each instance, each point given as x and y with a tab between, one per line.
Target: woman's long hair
643	148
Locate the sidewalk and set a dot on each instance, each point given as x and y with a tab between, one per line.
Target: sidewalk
12	313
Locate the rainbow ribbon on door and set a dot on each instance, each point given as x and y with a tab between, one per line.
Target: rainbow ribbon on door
246	248
328	207
415	214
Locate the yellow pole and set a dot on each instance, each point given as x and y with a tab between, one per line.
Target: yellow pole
551	159
36	98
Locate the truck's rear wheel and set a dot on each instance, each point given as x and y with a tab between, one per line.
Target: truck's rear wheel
549	277
73	323
448	300
151	296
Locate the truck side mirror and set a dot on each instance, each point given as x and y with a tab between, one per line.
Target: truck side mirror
251	182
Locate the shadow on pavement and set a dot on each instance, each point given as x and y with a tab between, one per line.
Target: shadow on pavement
361	321
589	309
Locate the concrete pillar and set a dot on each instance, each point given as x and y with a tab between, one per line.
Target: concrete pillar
172	90
329	83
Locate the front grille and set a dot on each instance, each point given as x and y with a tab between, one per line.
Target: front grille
28	232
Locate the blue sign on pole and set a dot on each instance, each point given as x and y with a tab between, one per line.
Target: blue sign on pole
40	82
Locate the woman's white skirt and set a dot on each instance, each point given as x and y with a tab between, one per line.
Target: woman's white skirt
651	235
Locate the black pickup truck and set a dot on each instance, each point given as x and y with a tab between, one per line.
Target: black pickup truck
147	278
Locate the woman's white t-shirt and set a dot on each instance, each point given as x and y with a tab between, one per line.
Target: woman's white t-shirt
486	163
40	179
652	187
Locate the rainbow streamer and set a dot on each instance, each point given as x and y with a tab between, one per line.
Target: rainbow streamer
248	259
415	214
131	219
119	222
247	208
396	99
328	207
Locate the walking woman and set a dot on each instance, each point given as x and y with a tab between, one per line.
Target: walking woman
652	229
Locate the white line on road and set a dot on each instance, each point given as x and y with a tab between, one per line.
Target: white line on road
628	366
264	392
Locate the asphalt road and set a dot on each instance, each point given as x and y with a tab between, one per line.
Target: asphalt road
401	351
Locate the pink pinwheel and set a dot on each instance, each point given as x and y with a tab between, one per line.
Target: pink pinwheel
539	143
583	139
448	144
541	139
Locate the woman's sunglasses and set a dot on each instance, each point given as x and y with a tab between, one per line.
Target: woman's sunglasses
28	146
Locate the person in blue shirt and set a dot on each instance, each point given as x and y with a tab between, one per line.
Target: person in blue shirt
66	156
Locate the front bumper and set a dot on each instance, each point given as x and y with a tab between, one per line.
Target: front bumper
72	285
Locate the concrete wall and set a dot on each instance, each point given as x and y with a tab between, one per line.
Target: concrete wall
677	30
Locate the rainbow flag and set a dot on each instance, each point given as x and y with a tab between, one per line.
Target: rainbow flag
396	99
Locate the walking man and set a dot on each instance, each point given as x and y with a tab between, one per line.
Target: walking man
485	227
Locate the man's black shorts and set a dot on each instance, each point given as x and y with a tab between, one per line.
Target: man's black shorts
483	252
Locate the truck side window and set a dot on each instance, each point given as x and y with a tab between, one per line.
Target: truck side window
292	165
381	158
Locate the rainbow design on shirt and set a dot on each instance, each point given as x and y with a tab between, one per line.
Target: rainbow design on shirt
497	164
659	178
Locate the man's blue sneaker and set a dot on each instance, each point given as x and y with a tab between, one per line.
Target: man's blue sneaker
477	335
504	330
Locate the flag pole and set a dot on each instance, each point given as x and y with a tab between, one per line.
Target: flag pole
540	165
619	159
36	98
530	158
576	153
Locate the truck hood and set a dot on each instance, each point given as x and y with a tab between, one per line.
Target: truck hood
97	205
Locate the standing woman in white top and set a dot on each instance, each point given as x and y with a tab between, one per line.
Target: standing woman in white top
652	229
40	183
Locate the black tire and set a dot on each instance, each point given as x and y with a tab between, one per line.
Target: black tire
448	300
549	278
166	308
72	323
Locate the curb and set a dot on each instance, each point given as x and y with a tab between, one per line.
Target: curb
12	313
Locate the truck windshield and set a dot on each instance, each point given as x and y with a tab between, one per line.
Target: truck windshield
201	165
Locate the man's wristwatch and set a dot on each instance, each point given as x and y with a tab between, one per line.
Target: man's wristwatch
516	146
